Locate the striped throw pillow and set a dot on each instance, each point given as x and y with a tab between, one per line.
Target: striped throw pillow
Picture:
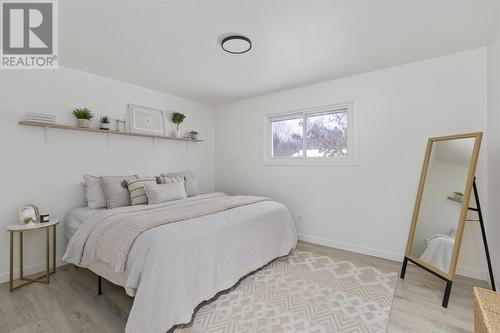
170	180
136	189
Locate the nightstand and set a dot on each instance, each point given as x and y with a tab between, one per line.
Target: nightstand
21	228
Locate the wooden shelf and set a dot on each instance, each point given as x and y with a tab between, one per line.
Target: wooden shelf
454	199
96	130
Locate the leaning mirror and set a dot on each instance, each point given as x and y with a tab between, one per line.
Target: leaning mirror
442	204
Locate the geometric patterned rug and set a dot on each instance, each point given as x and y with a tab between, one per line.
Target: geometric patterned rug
304	292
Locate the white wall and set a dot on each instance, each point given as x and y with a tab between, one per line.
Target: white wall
366	208
493	140
49	175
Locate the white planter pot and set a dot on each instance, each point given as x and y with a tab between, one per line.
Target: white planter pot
104	126
83	123
177	134
194	136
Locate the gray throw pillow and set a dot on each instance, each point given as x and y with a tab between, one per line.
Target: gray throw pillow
186	174
158	193
168	180
117	194
96	198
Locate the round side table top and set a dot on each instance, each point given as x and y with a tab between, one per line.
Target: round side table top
32	226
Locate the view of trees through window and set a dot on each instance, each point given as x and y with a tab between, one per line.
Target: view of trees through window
325	135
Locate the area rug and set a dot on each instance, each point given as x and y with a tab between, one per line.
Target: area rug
304	292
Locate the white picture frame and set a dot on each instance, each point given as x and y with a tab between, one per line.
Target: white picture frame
146	120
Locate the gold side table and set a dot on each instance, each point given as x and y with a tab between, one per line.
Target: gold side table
20	228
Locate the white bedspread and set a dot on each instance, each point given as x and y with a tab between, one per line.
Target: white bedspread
174	267
439	251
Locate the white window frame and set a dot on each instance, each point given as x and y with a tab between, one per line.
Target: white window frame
352	159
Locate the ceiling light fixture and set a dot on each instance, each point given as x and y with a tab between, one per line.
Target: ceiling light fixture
236	44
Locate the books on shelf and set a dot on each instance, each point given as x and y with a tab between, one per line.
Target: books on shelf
41	117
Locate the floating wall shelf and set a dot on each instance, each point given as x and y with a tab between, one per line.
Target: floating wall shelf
96	130
454	199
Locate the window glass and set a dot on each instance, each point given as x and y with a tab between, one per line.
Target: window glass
287	137
326	134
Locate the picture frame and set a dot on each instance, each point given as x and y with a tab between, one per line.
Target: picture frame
146	120
28	214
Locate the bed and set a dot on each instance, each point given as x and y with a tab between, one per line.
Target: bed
173	267
439	251
76	218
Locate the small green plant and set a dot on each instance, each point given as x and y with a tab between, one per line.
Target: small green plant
105	120
178	118
83	113
193	135
28	219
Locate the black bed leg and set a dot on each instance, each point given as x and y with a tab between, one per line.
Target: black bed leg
447	292
403	269
99	288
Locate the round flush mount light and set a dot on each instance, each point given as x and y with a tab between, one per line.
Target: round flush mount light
236	44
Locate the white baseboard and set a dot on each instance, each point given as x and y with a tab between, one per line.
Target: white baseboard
352	248
465	271
473	273
28	270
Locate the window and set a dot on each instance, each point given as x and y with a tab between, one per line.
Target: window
323	135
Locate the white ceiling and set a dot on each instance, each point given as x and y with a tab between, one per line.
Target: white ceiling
173	46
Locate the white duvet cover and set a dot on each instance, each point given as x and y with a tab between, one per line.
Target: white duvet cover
174	267
439	251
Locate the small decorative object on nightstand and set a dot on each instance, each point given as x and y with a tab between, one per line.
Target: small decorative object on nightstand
28	214
20	228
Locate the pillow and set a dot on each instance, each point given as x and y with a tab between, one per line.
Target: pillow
185	174
158	193
192	187
95	193
169	180
136	190
117	194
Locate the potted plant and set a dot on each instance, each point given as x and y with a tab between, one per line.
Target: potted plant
104	123
83	116
177	118
194	135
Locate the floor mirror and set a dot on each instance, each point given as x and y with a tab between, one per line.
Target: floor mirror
446	189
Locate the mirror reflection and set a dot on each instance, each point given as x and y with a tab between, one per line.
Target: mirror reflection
441	203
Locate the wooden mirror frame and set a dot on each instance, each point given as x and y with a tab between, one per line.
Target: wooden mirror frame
464	209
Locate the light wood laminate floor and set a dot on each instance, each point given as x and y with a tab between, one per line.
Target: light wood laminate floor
70	302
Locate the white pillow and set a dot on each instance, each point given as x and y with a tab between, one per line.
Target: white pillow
158	193
95	193
192	187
